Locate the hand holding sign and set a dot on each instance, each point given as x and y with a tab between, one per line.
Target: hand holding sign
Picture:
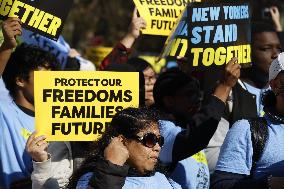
11	28
44	17
275	16
116	152
78	106
36	147
232	73
230	78
136	25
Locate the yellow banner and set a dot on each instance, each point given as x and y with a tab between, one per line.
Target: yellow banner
77	106
160	15
44	17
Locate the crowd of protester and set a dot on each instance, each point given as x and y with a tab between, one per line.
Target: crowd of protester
181	136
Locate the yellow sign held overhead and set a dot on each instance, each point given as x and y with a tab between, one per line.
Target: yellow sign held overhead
160	15
38	16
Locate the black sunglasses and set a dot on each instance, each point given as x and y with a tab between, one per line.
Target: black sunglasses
150	140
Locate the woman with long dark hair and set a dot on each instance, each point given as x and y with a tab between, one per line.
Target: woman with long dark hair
126	155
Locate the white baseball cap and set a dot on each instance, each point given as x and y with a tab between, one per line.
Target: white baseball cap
276	66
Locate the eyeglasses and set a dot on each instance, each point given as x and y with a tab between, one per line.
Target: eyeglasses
150	140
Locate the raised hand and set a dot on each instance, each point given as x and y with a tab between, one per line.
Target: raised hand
116	152
229	80
137	23
11	28
275	16
232	73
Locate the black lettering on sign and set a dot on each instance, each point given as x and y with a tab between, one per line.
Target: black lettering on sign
43	17
77	128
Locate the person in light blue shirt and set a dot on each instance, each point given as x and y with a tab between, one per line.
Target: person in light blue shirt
245	100
156	181
126	156
16	123
235	168
191	172
236	152
17	107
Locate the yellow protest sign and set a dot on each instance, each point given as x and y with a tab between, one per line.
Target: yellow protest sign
160	15
44	17
78	106
211	35
224	34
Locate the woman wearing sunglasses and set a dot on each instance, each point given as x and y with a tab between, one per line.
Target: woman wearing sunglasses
126	156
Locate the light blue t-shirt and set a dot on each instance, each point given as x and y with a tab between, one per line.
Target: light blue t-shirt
15	127
4	93
192	172
157	181
236	152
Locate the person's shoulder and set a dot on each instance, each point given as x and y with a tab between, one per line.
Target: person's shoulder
239	134
158	180
160	177
4	91
7	121
240	126
236	151
168	126
6	106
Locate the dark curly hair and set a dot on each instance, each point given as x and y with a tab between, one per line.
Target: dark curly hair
24	59
139	64
128	123
169	82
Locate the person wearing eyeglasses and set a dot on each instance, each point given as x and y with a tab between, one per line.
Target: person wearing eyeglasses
126	156
149	76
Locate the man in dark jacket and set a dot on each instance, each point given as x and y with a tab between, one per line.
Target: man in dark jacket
186	128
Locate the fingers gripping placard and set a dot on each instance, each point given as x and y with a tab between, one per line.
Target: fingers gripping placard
78	106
